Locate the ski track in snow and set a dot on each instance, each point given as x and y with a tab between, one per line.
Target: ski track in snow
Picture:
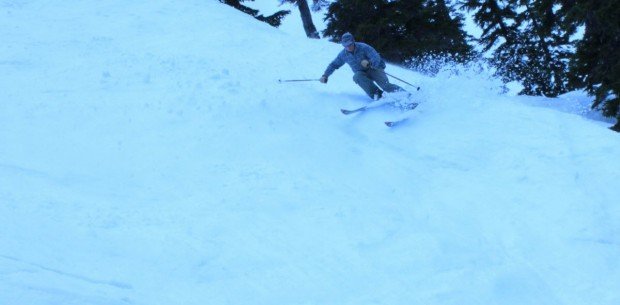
74	276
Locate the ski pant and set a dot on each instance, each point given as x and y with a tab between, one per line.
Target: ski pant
367	79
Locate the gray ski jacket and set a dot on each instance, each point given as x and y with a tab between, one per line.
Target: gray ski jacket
362	51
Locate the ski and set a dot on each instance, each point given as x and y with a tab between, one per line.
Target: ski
407	108
402	119
347	112
395	122
374	104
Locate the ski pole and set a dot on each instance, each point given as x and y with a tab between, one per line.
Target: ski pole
297	80
417	87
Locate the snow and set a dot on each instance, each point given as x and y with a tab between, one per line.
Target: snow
149	156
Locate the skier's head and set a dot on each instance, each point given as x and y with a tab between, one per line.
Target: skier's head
347	40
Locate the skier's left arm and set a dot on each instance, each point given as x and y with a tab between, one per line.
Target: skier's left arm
374	58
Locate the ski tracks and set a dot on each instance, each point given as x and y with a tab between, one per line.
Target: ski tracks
34	267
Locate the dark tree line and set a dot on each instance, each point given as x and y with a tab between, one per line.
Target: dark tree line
401	30
530	42
274	20
549	46
306	17
596	65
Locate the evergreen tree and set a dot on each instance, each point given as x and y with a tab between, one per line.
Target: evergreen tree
317	5
274	20
497	22
532	44
306	18
400	30
597	61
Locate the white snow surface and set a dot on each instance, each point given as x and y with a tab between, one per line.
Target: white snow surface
148	155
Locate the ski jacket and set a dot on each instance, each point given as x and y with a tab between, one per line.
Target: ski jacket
362	51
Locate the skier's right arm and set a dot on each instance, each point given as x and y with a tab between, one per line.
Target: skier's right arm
335	64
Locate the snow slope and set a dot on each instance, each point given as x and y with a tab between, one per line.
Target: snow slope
148	155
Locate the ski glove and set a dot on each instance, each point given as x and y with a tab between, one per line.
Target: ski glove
365	63
323	79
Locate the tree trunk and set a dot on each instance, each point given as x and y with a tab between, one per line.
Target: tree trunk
306	18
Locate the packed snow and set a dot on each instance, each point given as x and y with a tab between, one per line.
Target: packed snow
149	155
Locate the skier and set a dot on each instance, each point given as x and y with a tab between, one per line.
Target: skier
367	66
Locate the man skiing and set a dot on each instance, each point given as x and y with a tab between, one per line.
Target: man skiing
367	65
